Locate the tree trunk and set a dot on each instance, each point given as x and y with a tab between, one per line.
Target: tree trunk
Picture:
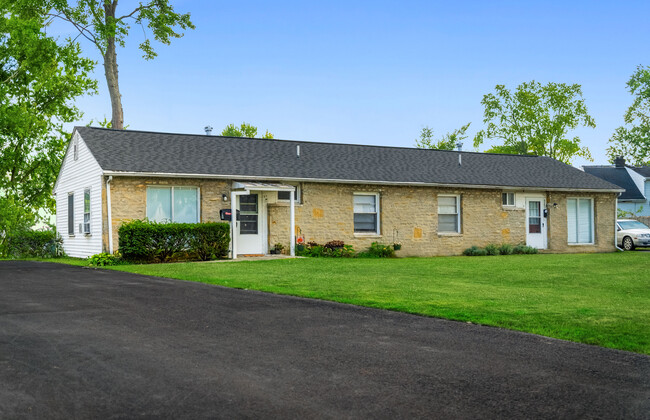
110	69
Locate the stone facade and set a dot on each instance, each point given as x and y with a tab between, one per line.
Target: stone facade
407	214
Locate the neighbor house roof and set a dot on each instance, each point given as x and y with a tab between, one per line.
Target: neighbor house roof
619	176
150	153
643	171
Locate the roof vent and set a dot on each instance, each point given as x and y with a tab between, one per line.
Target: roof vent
619	162
208	130
459	146
298	151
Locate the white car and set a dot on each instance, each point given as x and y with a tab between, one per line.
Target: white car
632	233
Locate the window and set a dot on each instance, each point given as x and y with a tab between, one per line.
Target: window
366	213
580	220
286	195
71	214
173	204
75	150
87	211
248	212
508	199
449	213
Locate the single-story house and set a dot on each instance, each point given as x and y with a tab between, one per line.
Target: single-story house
634	180
433	202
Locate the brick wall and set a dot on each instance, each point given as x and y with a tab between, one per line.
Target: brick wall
407	214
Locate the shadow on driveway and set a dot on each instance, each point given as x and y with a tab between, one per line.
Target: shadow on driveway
78	342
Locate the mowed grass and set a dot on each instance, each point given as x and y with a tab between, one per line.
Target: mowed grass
601	299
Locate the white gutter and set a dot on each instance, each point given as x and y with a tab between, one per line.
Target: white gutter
355	181
110	219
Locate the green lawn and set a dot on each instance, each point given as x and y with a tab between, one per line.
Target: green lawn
601	299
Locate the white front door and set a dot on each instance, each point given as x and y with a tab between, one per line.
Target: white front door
251	229
536	223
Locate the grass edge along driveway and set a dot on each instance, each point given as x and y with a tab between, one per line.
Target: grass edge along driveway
600	299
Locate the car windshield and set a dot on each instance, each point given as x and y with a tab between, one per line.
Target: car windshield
632	224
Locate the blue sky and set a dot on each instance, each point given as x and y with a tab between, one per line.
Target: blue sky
375	72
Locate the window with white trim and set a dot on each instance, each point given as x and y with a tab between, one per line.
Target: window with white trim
366	213
508	199
449	214
75	149
286	195
580	220
71	214
87	211
173	204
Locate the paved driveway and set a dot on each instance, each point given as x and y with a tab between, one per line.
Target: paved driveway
82	343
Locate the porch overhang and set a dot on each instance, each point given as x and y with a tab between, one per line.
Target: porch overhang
243	188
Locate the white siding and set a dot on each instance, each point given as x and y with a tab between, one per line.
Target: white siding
75	177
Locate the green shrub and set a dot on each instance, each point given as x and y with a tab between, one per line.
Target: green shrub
378	250
210	240
505	249
103	259
142	240
524	249
34	243
492	249
335	249
474	251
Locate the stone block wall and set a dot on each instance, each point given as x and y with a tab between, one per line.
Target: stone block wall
407	214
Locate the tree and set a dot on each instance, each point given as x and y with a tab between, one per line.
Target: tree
535	119
448	142
244	130
98	22
39	79
633	142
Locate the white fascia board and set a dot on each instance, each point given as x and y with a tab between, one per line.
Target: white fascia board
356	181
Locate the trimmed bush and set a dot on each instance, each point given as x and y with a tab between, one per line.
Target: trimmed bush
474	251
35	243
492	249
210	240
335	249
142	240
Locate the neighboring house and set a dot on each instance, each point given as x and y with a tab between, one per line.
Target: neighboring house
434	202
634	180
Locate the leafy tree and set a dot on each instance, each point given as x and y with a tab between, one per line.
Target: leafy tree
535	119
39	79
633	141
99	22
447	142
244	130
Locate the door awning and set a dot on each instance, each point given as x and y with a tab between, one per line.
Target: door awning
261	186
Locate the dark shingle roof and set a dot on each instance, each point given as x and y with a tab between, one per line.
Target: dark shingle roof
643	170
141	151
618	176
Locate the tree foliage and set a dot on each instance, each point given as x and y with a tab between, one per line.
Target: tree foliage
101	24
447	142
632	141
536	119
244	130
39	80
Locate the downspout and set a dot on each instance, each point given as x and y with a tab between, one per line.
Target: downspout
615	222
110	219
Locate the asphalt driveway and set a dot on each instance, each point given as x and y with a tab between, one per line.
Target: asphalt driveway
83	343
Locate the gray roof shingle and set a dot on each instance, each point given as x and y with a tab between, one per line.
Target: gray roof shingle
618	176
142	151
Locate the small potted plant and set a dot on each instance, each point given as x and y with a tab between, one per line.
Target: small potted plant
277	248
300	244
397	246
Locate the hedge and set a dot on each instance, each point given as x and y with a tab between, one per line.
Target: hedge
34	243
143	240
